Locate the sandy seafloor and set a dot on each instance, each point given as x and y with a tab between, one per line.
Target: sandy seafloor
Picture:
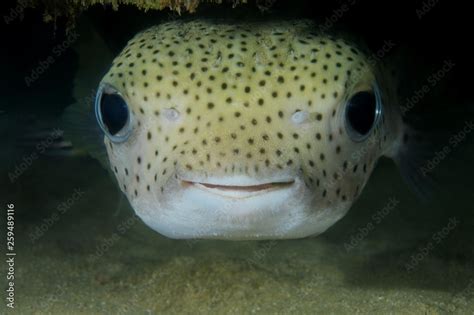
62	271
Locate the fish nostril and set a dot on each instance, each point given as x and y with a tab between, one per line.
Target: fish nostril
299	117
171	114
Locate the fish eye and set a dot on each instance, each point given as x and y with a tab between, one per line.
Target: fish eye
113	114
362	113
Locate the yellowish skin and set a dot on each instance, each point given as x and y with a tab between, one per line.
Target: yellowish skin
238	129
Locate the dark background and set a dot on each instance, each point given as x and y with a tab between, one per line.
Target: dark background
444	32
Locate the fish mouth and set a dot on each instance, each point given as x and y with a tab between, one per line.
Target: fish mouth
239	191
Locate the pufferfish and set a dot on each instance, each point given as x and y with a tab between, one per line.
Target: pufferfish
245	130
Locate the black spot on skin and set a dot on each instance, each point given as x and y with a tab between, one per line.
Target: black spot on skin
354	169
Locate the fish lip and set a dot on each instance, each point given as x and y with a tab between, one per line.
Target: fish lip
239	191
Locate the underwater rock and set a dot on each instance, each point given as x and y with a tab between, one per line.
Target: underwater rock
72	8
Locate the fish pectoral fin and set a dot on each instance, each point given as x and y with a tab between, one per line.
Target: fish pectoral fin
78	121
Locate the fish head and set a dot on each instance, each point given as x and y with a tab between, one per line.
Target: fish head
241	131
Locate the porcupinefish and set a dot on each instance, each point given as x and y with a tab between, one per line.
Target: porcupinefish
247	130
